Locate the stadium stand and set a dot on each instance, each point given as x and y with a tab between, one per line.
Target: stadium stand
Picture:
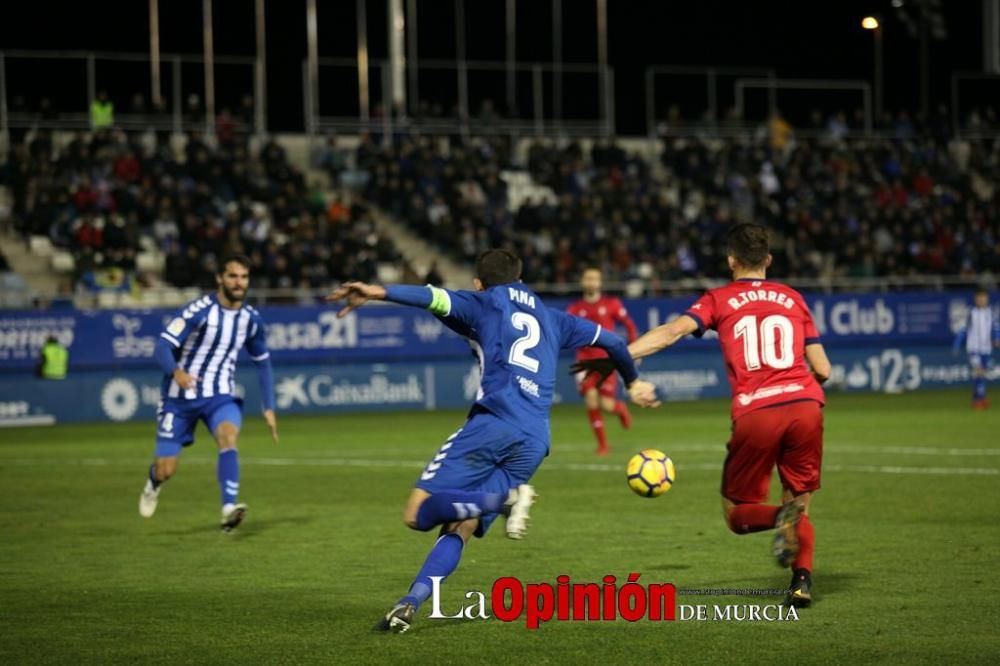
112	211
911	203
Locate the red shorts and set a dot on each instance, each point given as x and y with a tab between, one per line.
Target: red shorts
789	435
608	388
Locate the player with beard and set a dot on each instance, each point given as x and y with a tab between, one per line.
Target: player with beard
197	352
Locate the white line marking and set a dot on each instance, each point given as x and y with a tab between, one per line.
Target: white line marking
18	421
572	467
828	448
720	449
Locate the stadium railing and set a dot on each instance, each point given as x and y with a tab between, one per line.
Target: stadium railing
537	107
712	77
169	120
536	83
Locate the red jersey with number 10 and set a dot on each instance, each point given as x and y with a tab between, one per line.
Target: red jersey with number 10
607	312
763	328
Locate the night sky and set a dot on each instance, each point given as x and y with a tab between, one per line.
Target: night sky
799	39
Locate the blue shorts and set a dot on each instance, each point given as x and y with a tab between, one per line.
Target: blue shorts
981	361
176	420
485	455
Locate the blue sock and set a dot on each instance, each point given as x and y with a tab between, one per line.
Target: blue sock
450	505
152	476
229	475
979	388
441	561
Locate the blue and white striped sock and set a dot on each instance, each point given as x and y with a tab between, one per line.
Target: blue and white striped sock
449	506
229	475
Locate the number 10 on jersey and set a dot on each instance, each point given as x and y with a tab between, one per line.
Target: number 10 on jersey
768	344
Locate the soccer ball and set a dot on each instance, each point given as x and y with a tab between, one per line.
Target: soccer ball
650	473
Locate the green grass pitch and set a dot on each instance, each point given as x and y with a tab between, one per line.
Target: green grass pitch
907	530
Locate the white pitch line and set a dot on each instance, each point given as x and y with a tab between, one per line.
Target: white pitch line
721	450
894	469
573	467
828	449
869	469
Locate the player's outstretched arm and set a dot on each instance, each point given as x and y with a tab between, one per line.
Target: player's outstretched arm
459	310
641	393
354	295
818	362
663	336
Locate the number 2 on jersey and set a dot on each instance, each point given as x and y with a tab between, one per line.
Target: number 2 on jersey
770	344
522	321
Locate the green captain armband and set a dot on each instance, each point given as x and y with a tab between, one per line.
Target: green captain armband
440	301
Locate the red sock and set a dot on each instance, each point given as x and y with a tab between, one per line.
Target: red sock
621	409
597	425
807	544
747	518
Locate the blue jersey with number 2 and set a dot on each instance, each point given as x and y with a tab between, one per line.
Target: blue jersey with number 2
517	339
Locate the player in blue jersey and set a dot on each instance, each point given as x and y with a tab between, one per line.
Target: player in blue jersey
197	352
979	336
482	471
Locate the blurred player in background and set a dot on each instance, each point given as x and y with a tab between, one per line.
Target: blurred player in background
197	352
482	470
980	335
607	312
776	365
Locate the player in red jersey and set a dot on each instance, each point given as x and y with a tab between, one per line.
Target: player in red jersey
607	312
775	364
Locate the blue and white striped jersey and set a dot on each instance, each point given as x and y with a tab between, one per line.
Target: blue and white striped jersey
981	330
207	338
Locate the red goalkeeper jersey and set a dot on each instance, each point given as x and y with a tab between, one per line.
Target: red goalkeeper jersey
607	312
763	328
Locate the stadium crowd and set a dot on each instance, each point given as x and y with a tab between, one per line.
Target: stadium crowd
912	202
106	195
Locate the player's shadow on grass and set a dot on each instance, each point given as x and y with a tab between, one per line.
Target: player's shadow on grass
664	568
248	530
253	528
441	623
